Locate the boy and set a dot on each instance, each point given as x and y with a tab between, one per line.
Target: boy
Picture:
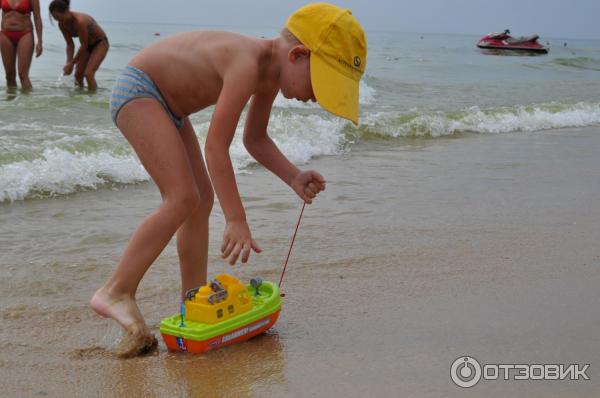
321	55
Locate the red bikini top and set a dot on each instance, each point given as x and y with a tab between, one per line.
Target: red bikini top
24	7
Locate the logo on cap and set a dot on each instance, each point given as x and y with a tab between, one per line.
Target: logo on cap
357	61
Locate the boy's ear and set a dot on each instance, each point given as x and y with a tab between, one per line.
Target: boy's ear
298	52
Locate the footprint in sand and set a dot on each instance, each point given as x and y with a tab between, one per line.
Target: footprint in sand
131	347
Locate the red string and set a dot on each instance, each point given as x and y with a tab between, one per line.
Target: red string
291	245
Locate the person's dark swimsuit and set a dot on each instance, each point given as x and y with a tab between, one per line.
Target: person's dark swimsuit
91	47
24	7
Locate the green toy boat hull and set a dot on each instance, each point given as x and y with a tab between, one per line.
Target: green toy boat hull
197	337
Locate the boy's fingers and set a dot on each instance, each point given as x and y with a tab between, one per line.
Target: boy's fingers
245	252
318	177
313	187
319	183
255	247
228	249
224	245
235	254
309	193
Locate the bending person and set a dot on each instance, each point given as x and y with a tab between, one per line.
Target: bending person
16	39
93	42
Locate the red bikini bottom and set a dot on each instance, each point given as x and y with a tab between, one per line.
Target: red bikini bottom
15	35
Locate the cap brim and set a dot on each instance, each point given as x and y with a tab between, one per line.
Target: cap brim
335	92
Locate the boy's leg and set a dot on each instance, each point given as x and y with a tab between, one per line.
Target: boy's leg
161	150
192	236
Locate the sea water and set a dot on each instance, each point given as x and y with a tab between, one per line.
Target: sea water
59	139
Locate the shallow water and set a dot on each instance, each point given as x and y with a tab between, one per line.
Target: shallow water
59	140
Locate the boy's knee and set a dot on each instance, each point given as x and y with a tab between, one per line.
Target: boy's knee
185	203
207	200
79	76
89	75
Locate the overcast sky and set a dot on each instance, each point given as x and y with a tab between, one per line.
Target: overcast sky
548	18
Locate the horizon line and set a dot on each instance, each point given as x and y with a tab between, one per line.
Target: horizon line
366	30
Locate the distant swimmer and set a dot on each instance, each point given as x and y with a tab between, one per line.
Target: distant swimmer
16	39
93	42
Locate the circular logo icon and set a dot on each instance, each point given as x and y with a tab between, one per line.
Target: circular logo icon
465	372
357	61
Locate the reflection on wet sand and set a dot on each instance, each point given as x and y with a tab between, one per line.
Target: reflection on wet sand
236	371
232	371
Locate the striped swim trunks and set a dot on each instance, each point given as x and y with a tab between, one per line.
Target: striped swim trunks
135	83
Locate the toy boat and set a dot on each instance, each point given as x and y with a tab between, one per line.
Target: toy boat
221	313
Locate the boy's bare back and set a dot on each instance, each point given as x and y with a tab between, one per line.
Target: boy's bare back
190	68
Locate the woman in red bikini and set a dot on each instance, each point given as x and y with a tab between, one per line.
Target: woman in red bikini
16	39
93	40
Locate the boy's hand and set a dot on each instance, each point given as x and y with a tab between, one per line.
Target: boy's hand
236	239
307	184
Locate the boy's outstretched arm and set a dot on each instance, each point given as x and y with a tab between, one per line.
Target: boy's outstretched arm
238	86
306	184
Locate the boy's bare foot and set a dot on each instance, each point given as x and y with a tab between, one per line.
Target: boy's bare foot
122	309
125	311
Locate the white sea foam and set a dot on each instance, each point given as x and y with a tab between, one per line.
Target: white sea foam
61	172
56	171
493	121
299	137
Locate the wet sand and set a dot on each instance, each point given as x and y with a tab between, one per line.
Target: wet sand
419	251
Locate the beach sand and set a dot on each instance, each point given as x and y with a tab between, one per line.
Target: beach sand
419	251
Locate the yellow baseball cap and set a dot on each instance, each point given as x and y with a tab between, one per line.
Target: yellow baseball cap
338	55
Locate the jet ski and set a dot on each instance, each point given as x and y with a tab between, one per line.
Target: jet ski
501	42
